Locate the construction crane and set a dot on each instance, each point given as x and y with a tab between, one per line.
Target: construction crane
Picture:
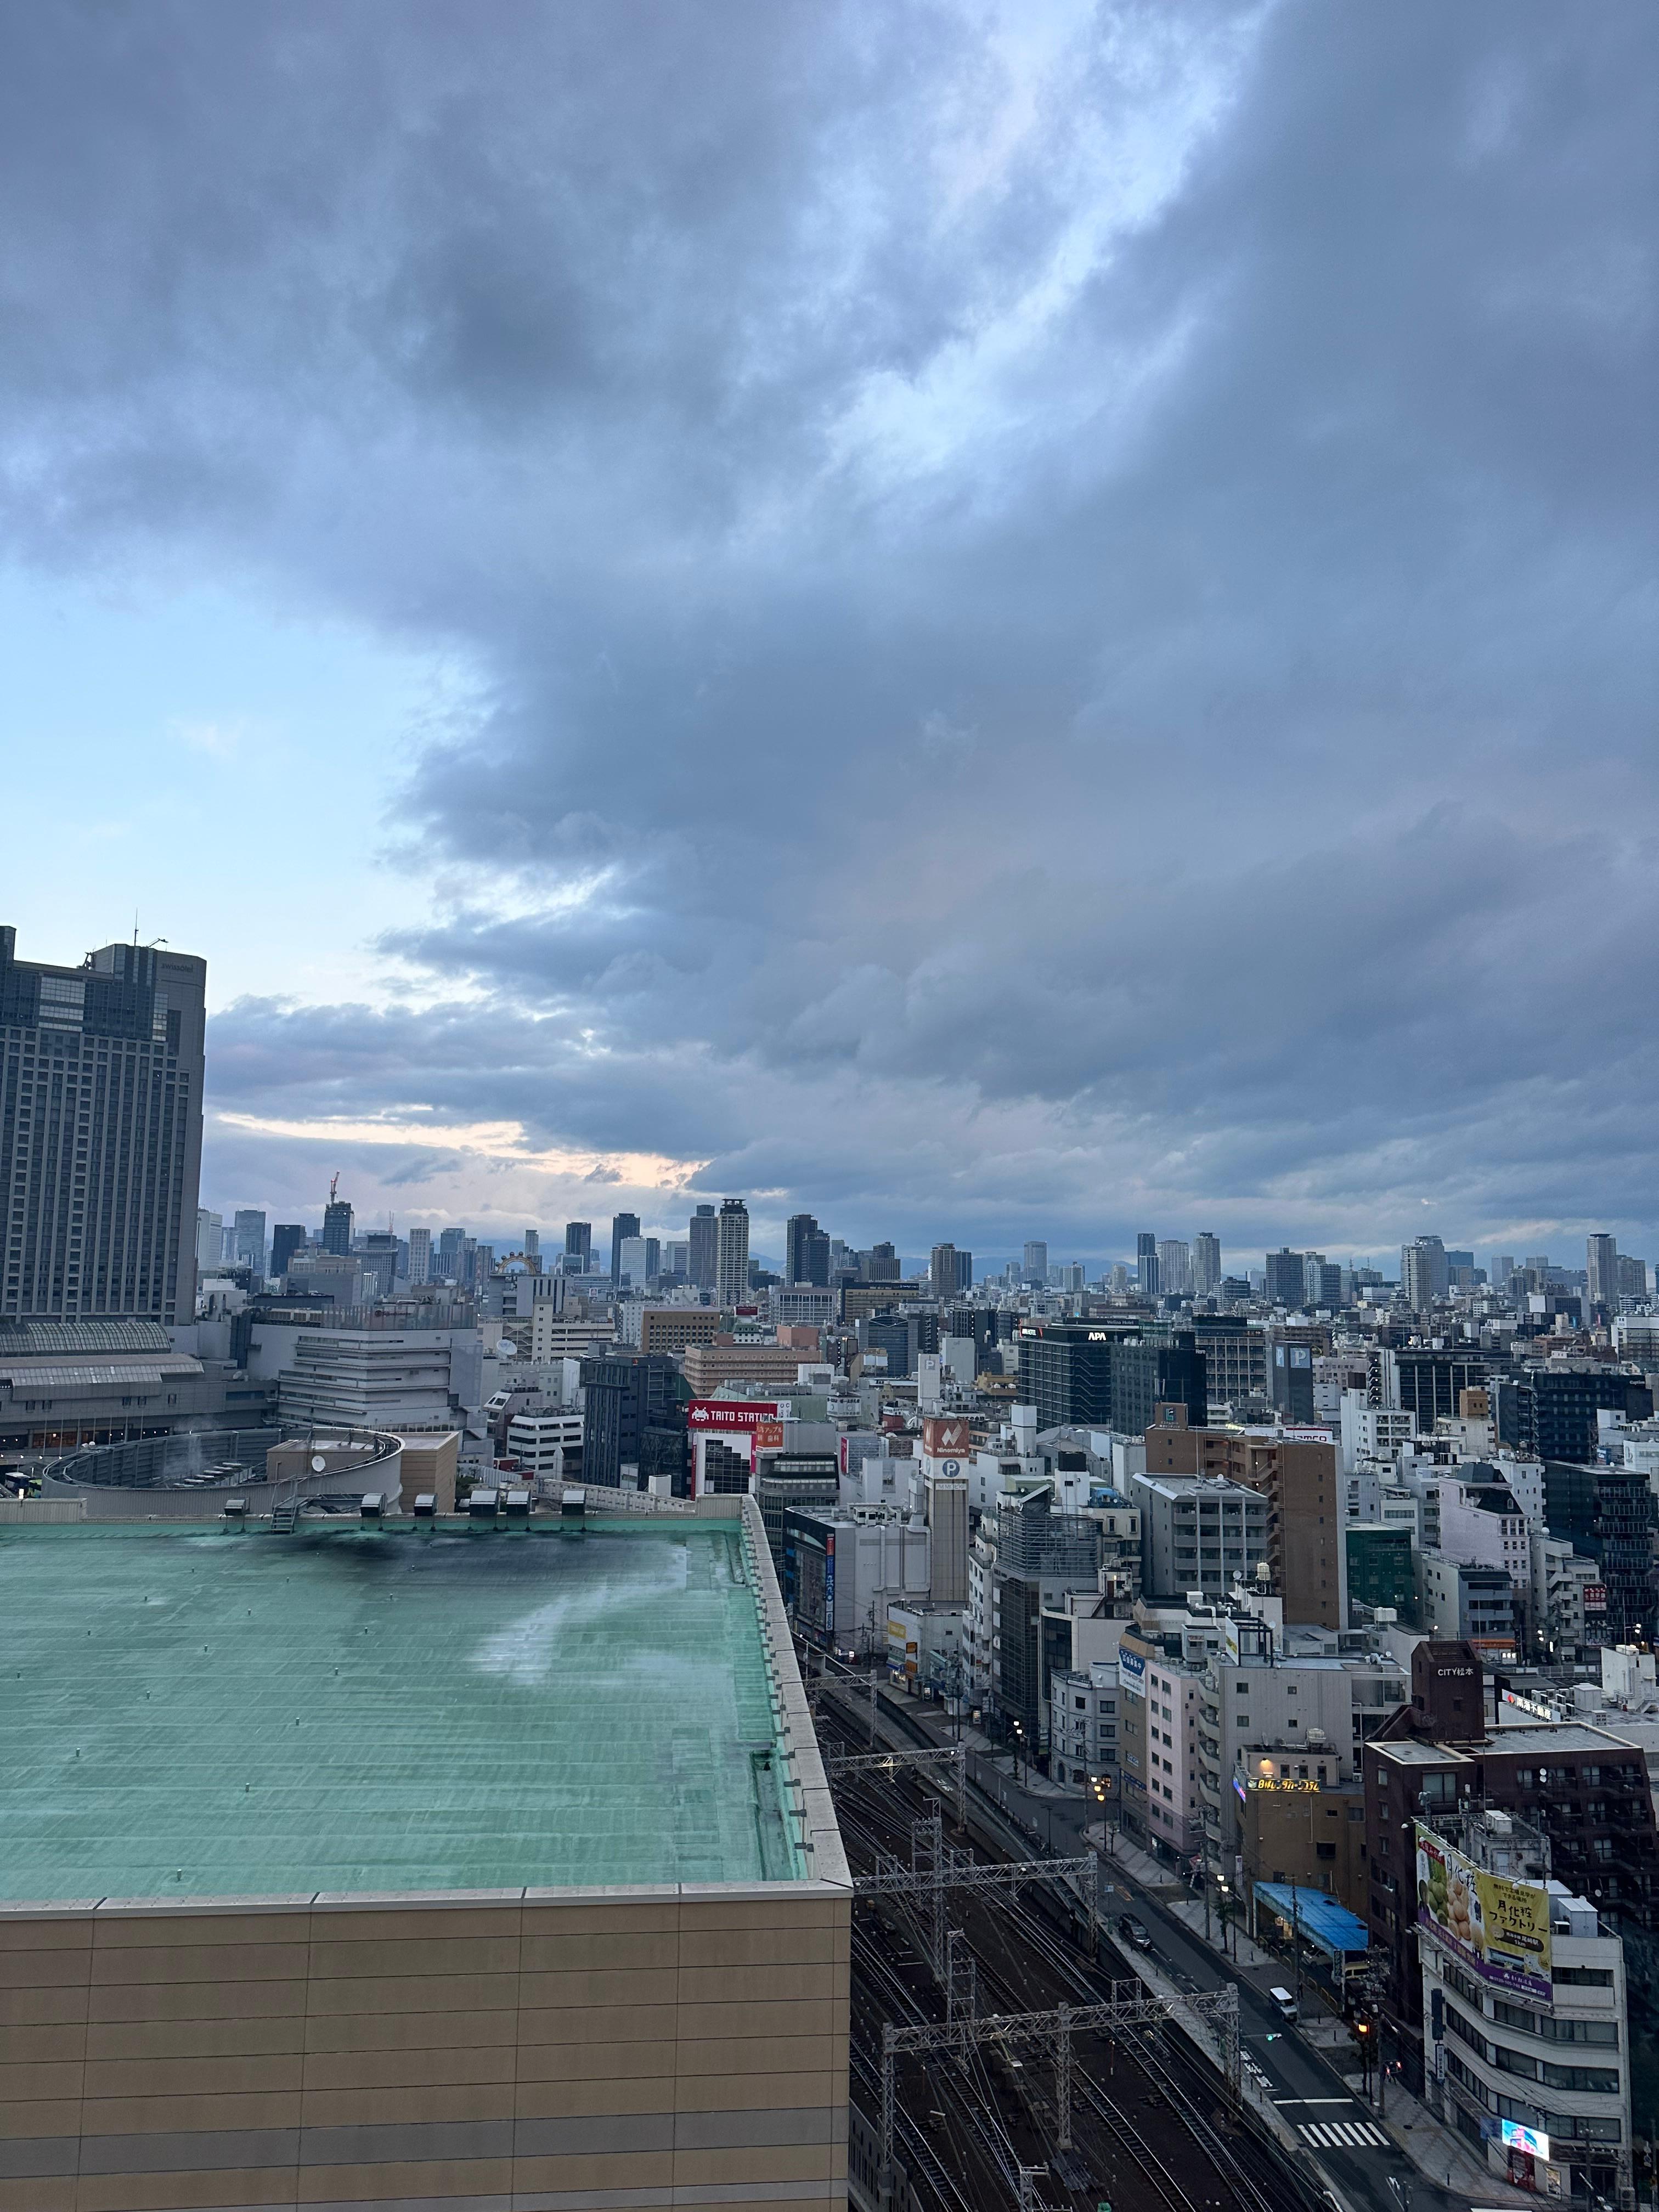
333	1188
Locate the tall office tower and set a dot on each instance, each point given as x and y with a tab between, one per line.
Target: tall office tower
806	1252
1287	1278
286	1238
250	1235
101	1134
1502	1266
451	1244
578	1247
1424	1273
942	1271
337	1226
1033	1265
965	1272
209	1240
1633	1277
1601	1270
1207	1264
883	1264
532	1251
420	1256
732	1262
621	1225
1322	1283
703	1262
1148	1281
1174	1266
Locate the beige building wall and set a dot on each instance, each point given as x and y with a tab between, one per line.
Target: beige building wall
709	1365
527	2050
430	1463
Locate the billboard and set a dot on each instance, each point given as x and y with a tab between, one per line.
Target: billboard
730	1413
946	1438
1131	1669
769	1435
1499	1928
1534	2141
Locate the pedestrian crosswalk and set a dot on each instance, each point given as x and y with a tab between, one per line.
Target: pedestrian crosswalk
1341	2134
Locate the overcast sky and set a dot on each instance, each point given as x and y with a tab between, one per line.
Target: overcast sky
990	621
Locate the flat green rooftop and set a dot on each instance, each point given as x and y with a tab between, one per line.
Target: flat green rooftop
193	1713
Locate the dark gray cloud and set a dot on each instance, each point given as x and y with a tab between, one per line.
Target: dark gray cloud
1067	600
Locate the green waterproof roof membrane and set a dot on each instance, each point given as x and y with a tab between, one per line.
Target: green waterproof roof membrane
204	1714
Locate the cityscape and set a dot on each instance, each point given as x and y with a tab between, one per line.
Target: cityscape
829	1330
1256	1590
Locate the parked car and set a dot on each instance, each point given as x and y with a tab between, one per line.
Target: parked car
1135	1932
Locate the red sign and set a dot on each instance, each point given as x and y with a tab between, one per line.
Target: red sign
943	1439
1595	1597
769	1435
731	1412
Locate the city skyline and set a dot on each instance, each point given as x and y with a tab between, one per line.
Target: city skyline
1054	641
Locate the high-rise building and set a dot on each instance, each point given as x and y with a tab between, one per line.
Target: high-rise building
965	1272
1601	1271
1502	1266
1322	1283
101	1134
883	1264
337	1226
1174	1266
532	1251
806	1252
286	1239
1633	1277
632	1266
1286	1280
1034	1266
621	1225
1148	1281
1425	1273
732	1260
250	1235
942	1271
1066	1372
1207	1264
209	1240
452	1245
578	1247
702	1258
420	1256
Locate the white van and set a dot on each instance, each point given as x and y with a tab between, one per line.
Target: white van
1284	2001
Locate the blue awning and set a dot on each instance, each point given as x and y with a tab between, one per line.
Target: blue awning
1328	1926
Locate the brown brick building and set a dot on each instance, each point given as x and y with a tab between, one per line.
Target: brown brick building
1297	1474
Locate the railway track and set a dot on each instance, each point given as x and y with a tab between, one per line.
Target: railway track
1148	2131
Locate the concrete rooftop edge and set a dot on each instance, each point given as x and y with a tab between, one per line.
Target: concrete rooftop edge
820	1832
418	1901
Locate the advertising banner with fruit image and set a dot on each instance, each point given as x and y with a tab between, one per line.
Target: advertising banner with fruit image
1499	1928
